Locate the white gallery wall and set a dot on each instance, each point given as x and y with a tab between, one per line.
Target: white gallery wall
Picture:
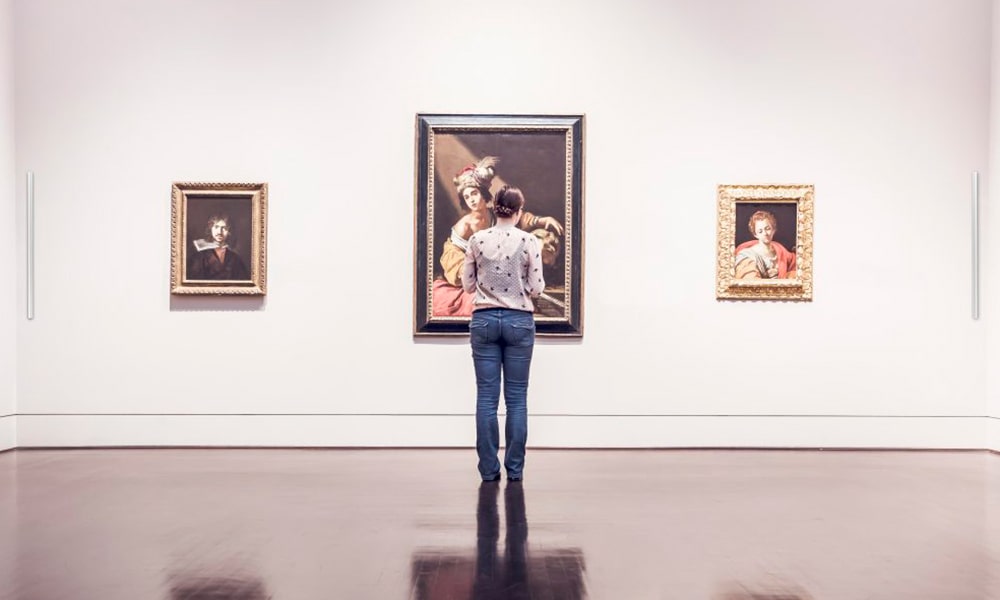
886	115
990	250
8	269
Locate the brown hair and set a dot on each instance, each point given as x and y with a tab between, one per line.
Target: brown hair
215	219
509	200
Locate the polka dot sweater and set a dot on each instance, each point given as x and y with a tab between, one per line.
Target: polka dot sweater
503	268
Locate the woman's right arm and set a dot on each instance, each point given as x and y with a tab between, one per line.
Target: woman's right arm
469	275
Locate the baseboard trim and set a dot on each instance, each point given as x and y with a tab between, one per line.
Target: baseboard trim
993	434
8	432
457	431
28	449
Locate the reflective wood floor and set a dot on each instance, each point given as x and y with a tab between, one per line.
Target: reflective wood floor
417	524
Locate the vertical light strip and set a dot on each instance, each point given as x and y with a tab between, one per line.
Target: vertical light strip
975	245
30	224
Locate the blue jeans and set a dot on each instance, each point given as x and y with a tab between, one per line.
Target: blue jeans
502	343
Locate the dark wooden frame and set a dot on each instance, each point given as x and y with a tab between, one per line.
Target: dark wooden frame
534	139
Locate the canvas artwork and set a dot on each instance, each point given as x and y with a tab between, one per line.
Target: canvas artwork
765	243
462	160
218	233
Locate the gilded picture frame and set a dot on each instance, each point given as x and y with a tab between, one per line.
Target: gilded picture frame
218	237
541	155
765	242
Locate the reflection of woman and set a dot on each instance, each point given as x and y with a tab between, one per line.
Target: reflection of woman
764	258
488	581
503	268
506	579
473	187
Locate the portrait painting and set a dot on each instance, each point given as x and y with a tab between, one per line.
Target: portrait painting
462	161
218	233
764	247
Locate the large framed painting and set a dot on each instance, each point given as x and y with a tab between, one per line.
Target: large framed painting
765	242
219	239
543	157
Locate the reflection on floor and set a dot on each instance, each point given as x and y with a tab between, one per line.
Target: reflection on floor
198	587
417	524
555	573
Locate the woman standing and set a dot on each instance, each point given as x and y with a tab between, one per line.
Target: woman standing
503	269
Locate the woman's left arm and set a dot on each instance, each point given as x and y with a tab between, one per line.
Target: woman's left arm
535	280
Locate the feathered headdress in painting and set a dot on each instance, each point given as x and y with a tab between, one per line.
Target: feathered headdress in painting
479	175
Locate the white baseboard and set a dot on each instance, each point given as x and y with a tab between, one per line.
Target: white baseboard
544	431
8	432
993	433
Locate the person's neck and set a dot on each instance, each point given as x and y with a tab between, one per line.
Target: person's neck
506	221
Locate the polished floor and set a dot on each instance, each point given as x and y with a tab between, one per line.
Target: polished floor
417	524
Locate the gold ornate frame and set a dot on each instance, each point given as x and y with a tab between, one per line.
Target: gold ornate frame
797	287
192	204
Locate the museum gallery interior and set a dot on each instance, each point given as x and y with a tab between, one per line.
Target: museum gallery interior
235	357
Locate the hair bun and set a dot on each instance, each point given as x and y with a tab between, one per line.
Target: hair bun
508	201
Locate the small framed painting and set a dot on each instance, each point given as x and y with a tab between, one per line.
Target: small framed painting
219	239
765	242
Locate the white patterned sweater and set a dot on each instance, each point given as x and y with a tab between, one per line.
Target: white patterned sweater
503	267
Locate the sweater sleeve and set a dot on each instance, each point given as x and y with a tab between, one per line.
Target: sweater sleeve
469	274
535	281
